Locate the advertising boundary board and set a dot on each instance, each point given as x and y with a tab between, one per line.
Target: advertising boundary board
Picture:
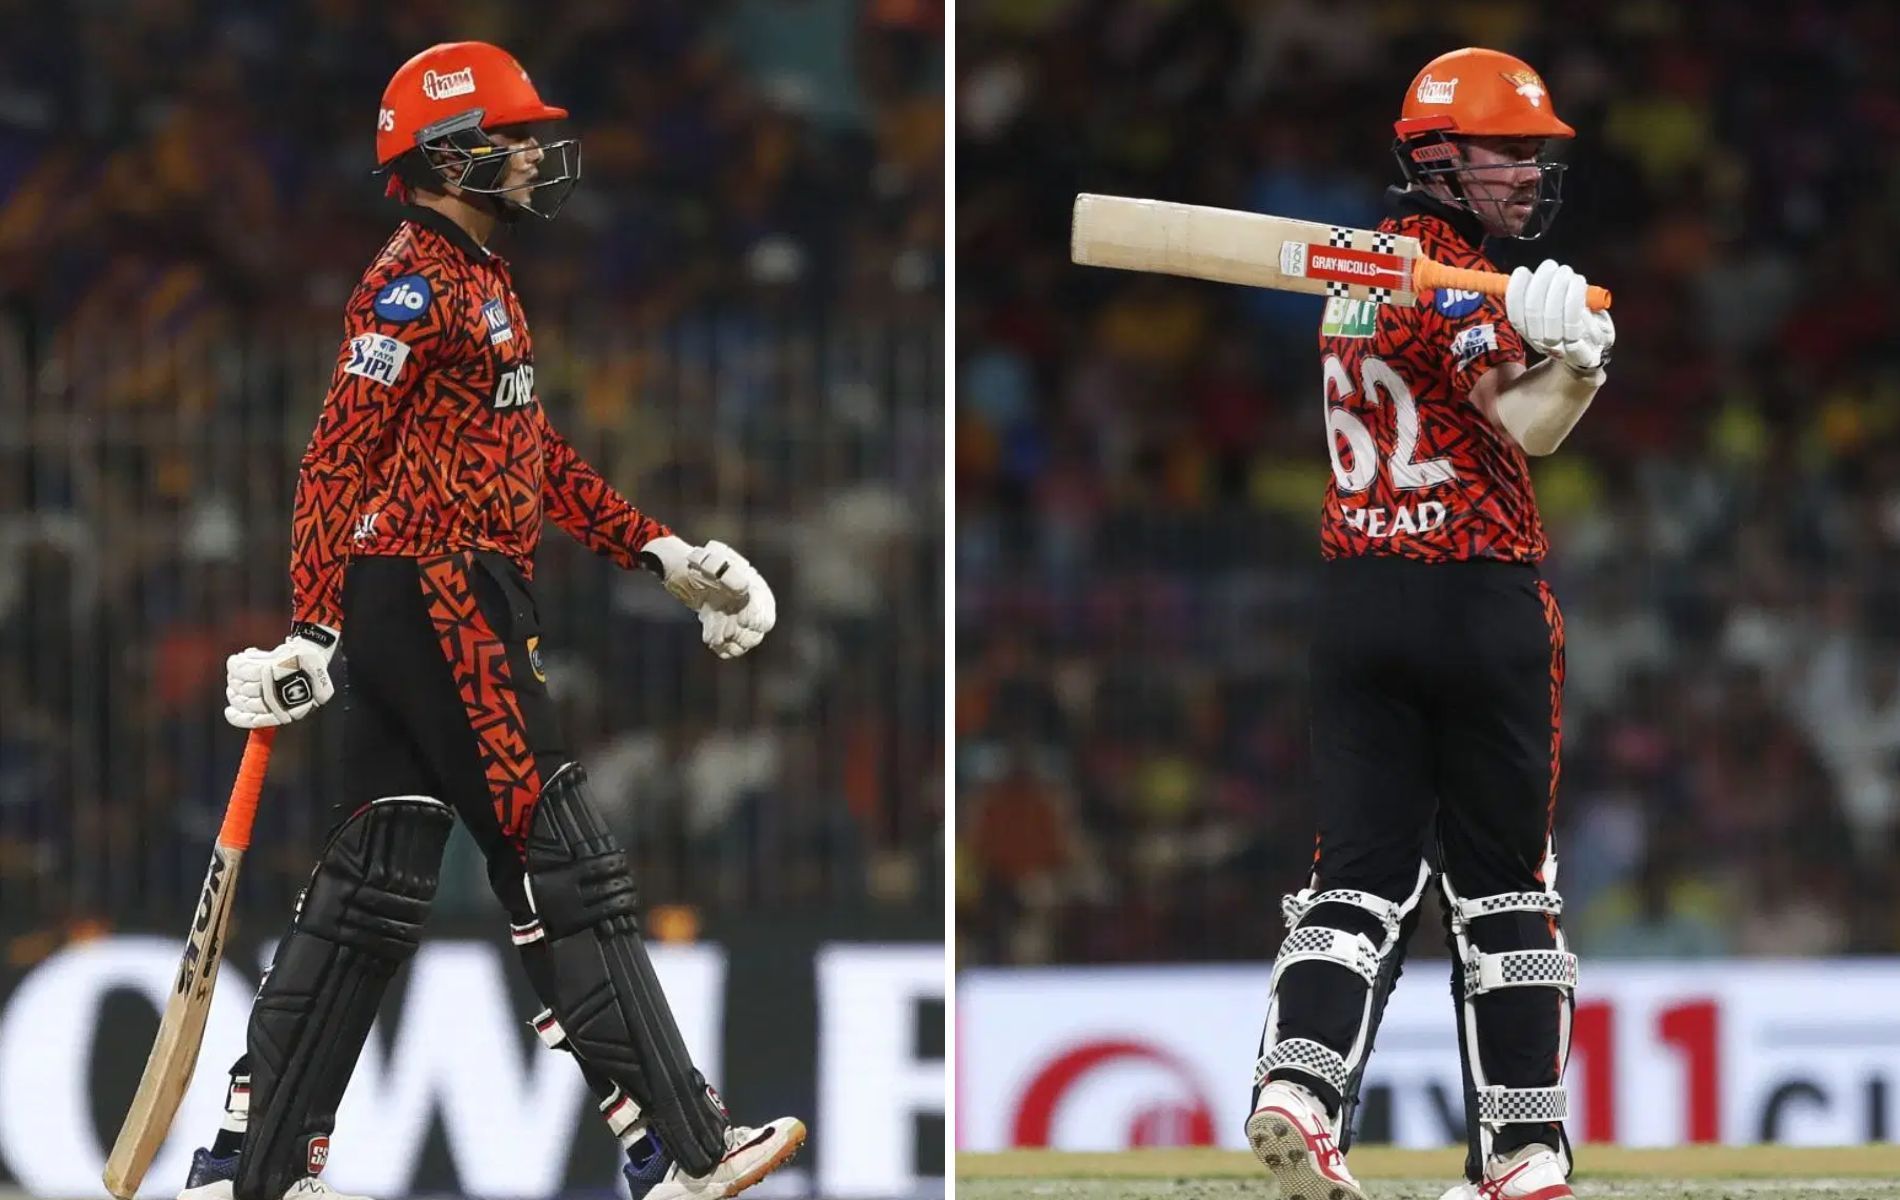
455	1095
1800	1052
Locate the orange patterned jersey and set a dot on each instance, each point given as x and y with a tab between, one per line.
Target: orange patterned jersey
432	439
1417	469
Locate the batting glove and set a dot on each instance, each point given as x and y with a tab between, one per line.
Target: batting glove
1547	306
735	605
276	687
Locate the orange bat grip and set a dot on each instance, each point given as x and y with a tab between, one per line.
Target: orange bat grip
235	833
1428	275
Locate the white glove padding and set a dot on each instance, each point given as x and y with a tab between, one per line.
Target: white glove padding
1547	307
276	687
730	634
735	606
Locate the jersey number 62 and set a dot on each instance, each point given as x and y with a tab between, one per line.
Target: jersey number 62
1375	377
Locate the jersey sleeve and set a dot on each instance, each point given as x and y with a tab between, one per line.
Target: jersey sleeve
1477	342
577	498
390	335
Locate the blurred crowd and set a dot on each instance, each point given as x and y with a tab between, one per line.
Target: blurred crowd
1140	463
738	318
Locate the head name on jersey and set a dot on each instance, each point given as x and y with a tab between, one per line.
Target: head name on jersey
1455	303
403	299
496	314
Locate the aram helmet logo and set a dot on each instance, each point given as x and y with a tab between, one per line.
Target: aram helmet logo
1528	85
1436	91
440	85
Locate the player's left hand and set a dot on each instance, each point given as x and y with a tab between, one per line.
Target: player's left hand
735	605
1547	307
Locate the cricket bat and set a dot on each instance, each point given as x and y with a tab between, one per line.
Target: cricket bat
181	1030
1229	246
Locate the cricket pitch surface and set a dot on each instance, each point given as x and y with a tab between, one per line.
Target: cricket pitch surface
1607	1172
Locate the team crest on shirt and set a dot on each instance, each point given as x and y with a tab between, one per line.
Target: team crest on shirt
500	329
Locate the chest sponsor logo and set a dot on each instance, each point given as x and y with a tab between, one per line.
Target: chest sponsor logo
403	300
1472	342
500	329
1349	318
515	388
440	85
377	357
1455	303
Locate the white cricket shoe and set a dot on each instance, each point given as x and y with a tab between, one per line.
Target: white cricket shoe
1292	1135
310	1187
751	1155
1531	1173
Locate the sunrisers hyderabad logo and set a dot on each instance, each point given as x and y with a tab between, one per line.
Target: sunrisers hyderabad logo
1188	1121
1528	85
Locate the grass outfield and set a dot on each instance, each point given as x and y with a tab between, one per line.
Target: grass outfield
1683	1173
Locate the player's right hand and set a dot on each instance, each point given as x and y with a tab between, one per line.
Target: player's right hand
281	685
1547	306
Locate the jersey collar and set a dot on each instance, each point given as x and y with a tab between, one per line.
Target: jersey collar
458	237
1463	222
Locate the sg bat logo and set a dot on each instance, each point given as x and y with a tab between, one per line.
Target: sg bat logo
195	949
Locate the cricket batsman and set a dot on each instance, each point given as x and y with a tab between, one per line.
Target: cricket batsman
1438	659
418	508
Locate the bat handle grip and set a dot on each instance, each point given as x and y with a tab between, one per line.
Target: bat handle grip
239	814
1428	275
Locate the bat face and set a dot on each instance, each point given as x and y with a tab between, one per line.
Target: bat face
198	968
180	1031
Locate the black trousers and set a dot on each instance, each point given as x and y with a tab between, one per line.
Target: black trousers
445	697
1436	731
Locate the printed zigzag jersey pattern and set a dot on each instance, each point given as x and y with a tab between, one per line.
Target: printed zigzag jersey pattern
1417	470
432	438
478	660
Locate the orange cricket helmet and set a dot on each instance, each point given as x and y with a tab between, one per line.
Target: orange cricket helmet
436	117
1473	93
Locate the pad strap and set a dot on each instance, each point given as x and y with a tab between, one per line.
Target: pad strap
1520	968
1316	943
1319	1061
1521	1106
1549	903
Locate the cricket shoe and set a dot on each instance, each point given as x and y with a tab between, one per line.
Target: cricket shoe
211	1178
751	1155
1531	1173
1292	1135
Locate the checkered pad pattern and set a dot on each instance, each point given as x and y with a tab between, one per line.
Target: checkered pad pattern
1311	943
1522	968
1484	906
1311	1057
1296	906
1512	1106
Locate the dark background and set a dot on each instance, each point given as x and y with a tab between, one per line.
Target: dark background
738	318
1140	462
